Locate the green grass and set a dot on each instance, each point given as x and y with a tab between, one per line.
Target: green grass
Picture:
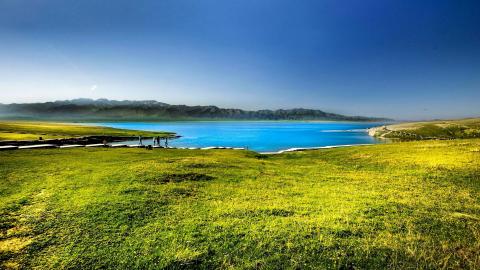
401	205
24	130
442	129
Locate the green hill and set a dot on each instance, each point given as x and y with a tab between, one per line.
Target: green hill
440	129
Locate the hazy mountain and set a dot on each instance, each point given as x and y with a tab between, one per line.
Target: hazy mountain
113	110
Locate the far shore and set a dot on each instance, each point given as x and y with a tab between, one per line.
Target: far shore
465	128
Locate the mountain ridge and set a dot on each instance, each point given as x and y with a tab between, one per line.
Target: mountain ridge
124	110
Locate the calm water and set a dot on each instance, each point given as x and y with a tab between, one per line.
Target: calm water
259	136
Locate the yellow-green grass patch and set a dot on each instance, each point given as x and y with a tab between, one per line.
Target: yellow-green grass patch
23	130
399	205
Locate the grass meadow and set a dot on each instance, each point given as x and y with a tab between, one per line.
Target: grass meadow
400	205
32	130
468	128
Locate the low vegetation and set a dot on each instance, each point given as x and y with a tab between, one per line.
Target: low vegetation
401	205
447	129
24	130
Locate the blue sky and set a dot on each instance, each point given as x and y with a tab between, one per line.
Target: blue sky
398	58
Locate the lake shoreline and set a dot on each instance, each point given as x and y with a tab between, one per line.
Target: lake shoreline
302	149
47	145
259	136
270	137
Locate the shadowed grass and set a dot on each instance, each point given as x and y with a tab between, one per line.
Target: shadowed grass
401	205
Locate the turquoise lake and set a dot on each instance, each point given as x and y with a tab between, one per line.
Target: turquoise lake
260	136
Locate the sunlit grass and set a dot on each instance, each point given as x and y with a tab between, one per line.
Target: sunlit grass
401	205
441	129
23	130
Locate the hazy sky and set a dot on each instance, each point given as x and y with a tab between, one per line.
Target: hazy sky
406	59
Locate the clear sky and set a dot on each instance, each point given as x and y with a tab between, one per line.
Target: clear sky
406	59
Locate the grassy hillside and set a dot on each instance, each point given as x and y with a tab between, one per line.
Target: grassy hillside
401	205
444	129
24	130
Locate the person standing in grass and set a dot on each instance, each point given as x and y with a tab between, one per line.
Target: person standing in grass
140	140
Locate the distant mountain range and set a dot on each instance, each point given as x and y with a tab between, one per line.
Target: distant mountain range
149	110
